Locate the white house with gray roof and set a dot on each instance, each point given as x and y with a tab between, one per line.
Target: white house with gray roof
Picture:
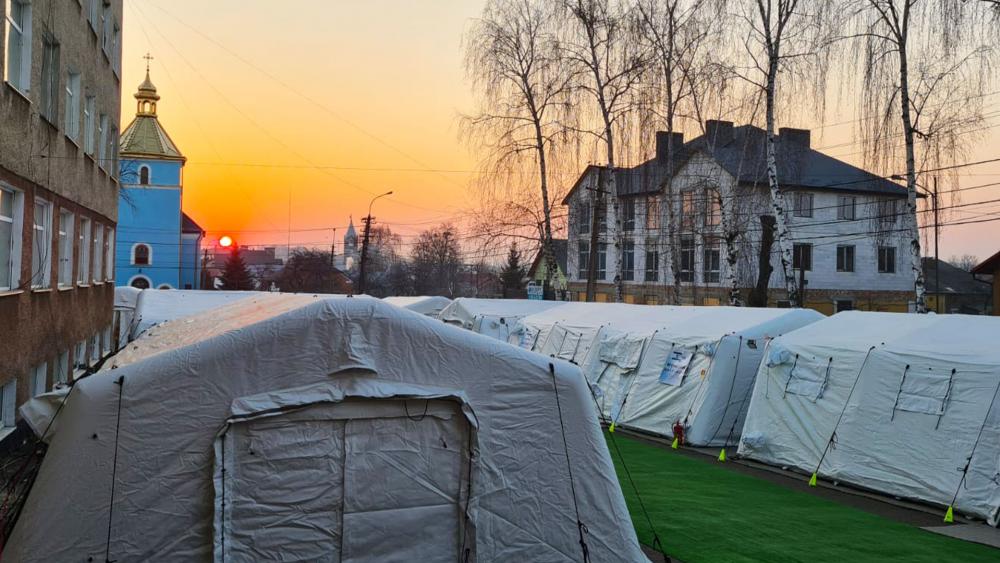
850	245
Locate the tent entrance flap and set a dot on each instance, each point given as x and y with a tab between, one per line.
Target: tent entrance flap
358	480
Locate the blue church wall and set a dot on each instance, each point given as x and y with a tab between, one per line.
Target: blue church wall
150	215
190	262
161	173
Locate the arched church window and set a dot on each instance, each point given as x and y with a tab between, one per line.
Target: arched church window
140	255
144	175
140	282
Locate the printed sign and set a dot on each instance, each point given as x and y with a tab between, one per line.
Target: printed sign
675	368
536	292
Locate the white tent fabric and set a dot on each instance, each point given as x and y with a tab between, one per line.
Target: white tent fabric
430	305
307	428
126	301
155	306
889	402
653	366
492	317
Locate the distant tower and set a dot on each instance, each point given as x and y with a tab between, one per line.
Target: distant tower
350	246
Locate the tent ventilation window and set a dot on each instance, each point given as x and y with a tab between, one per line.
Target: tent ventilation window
562	343
923	391
808	381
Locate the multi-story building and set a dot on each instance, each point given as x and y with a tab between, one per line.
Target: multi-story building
850	247
59	107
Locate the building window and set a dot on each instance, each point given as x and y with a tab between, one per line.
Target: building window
846	208
39	379
628	260
713	208
60	375
83	269
583	259
602	260
887	259
17	63
688	210
652	213
89	109
80	364
843	305
11	211
652	261
140	282
144	175
106	340
50	80
142	254
886	211
41	245
94	16
109	255
8	403
112	152
106	30
98	252
803	204
66	221
582	218
102	140
95	349
845	258
72	125
802	257
116	35
712	263
628	214
687	259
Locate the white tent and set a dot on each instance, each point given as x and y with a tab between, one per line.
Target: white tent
897	403
306	428
492	317
139	310
430	305
653	366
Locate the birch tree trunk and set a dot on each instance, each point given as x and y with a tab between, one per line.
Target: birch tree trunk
731	236
778	205
910	217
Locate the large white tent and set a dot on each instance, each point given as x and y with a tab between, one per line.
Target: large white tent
902	404
151	307
492	317
654	366
430	305
307	428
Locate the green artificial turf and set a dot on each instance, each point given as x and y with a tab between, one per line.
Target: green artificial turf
704	512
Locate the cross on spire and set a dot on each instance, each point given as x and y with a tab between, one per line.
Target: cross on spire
148	58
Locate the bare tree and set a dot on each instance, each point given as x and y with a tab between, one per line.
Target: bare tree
512	57
964	262
928	60
609	64
782	33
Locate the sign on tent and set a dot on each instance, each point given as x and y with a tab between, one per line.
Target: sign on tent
676	366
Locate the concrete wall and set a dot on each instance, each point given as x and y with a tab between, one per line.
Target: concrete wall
38	160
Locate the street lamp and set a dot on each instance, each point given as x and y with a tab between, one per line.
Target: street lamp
937	262
364	243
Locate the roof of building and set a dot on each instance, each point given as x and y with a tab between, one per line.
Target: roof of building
561	251
145	137
989	266
188	225
954	280
744	156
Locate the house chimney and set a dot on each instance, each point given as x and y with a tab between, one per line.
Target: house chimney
666	142
718	133
798	137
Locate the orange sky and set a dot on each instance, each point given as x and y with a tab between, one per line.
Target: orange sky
328	102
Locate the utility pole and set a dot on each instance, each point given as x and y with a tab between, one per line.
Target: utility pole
204	272
595	223
364	244
937	259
